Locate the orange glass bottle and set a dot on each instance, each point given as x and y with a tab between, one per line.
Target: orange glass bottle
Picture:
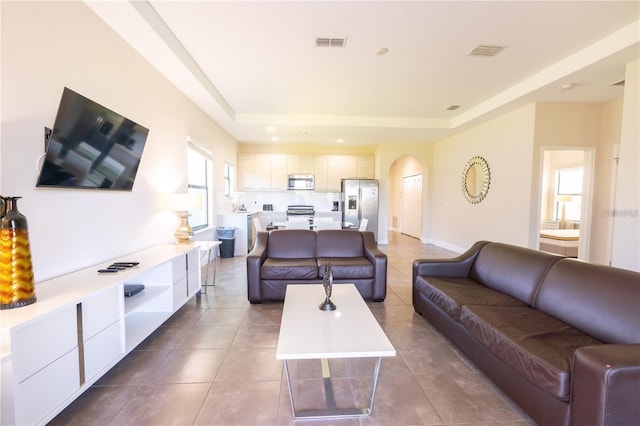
16	272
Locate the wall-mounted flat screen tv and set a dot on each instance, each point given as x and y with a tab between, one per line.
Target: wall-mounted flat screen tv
91	147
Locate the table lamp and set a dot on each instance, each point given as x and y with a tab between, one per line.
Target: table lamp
182	204
564	199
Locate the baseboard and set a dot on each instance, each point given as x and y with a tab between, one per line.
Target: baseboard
448	246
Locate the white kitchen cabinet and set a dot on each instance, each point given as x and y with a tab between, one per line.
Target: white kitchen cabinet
365	168
307	164
258	172
82	325
293	164
348	166
300	164
246	171
334	172
279	172
262	171
321	173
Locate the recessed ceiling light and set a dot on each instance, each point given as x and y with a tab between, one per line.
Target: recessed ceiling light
453	107
339	140
275	139
382	51
568	86
271	129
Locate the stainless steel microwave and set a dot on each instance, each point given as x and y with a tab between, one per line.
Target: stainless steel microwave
304	182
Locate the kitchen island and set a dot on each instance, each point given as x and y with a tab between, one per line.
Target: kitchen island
245	232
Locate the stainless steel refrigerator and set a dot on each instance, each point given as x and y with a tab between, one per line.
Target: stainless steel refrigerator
359	200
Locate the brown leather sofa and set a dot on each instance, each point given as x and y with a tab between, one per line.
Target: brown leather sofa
561	337
282	257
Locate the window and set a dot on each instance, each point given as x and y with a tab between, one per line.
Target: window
228	179
199	173
568	194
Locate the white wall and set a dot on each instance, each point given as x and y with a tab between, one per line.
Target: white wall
47	46
610	130
506	143
626	221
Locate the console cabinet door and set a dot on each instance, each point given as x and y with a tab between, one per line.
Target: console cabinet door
102	330
101	310
43	392
41	342
45	362
179	281
102	350
193	271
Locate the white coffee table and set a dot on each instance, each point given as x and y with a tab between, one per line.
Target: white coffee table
351	331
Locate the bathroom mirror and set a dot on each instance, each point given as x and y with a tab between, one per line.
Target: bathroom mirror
476	178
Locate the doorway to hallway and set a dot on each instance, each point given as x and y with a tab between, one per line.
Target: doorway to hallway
411	223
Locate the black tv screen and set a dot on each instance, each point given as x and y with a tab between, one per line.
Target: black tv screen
91	147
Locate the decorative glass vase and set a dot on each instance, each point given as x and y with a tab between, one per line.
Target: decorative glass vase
16	273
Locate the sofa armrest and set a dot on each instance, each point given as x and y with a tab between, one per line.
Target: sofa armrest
459	266
255	259
379	260
605	388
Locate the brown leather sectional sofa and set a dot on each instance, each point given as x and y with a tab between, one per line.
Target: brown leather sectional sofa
559	336
297	256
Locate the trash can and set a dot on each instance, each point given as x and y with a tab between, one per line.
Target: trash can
227	236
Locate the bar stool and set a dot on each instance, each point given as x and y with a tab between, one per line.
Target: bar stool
211	248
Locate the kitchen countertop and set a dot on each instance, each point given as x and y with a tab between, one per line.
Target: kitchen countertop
247	213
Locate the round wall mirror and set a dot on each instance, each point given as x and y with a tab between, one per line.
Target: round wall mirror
476	178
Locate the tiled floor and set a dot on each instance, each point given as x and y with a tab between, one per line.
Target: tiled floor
213	363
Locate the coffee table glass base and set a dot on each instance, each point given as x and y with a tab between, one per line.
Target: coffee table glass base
332	411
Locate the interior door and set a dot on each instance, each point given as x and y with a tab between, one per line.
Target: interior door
411	223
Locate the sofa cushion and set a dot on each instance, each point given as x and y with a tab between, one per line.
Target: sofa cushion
602	301
516	271
537	345
292	244
289	269
338	243
451	293
347	267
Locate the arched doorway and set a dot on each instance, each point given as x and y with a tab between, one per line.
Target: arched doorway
406	196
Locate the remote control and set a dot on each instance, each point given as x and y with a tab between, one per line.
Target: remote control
118	267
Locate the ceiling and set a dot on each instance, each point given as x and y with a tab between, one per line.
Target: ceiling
254	66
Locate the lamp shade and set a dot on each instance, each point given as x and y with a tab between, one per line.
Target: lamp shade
183	202
564	198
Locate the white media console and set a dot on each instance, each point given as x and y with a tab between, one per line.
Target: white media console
82	325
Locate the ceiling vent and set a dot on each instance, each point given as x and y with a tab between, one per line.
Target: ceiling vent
330	42
618	83
484	50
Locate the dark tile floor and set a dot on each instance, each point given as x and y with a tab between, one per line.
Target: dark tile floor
213	363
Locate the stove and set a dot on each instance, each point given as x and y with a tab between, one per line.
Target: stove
299	210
